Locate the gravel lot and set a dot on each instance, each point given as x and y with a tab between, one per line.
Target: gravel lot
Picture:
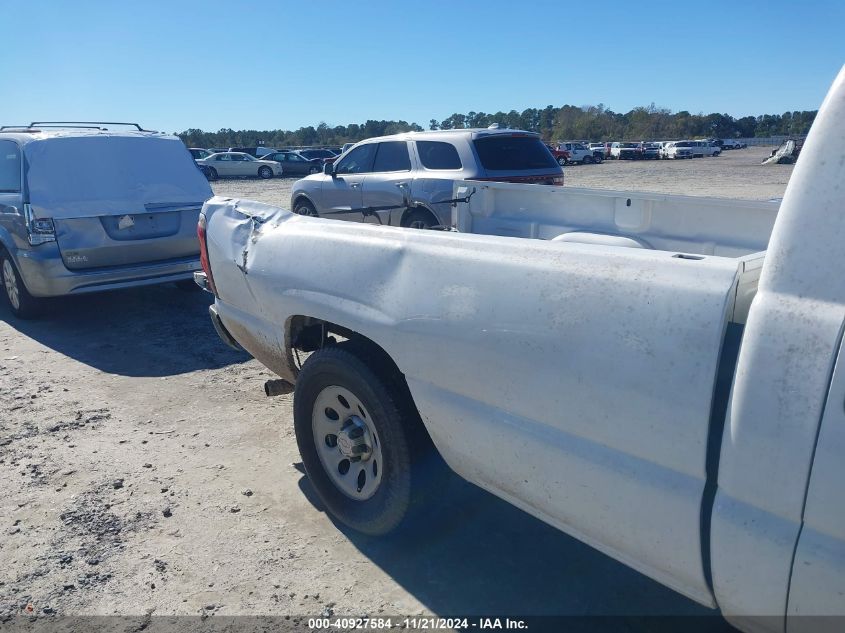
144	471
734	174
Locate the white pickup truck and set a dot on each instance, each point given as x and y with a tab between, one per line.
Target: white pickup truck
661	377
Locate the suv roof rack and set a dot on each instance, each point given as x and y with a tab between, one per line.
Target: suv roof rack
84	124
36	126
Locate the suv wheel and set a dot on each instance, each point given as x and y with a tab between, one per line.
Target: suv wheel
561	161
22	304
419	220
265	172
303	207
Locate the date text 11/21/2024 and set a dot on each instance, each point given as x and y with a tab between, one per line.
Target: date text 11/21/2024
418	623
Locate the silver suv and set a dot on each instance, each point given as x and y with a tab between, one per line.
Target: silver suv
406	179
84	209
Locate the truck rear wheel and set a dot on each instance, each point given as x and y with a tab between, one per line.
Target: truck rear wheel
359	444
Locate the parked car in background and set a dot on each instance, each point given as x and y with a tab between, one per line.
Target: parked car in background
602	148
90	209
294	164
702	148
322	154
677	149
730	143
651	150
196	153
580	153
231	164
406	179
560	155
627	151
255	152
346	146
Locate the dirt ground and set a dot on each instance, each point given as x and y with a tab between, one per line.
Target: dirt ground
143	471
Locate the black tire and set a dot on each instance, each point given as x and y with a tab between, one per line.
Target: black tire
265	172
587	160
598	159
561	161
407	479
212	174
22	304
304	207
419	220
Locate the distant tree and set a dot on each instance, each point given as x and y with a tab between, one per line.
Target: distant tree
566	122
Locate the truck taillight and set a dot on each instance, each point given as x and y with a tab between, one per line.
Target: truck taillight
206	267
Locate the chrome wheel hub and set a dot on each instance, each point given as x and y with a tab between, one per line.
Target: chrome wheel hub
347	443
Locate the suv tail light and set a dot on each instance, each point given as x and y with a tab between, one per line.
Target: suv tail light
206	267
558	181
38	230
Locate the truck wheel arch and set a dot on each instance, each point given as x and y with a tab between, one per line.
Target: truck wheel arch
307	334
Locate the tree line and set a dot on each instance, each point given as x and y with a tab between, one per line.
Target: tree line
595	123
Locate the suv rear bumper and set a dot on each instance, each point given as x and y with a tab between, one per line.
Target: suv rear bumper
45	275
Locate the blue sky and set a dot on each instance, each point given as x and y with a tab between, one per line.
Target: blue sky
279	64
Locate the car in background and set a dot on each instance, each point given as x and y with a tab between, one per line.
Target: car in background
197	153
312	153
294	163
255	152
238	164
702	148
560	155
601	148
626	151
346	146
87	209
580	153
677	149
406	179
730	143
651	150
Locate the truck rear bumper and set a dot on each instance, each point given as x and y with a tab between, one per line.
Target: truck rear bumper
45	274
221	330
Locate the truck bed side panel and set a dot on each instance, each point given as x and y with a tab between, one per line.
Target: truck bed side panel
575	380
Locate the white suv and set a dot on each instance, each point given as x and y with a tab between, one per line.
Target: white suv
406	179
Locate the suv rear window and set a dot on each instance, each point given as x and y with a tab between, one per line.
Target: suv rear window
437	155
503	152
